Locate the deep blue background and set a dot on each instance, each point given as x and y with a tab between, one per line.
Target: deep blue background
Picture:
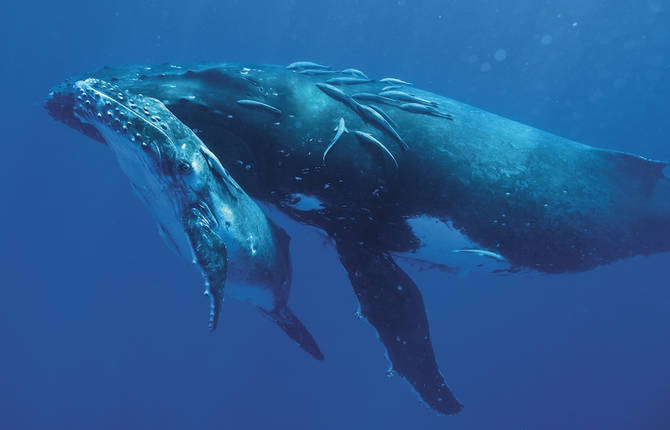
102	327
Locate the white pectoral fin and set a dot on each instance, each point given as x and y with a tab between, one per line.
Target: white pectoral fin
210	255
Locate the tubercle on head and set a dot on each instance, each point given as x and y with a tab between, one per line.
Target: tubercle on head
144	122
101	104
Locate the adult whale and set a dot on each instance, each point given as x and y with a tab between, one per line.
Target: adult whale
383	168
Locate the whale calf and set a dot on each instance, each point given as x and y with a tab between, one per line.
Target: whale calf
201	211
468	185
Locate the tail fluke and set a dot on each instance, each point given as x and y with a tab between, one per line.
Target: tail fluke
295	329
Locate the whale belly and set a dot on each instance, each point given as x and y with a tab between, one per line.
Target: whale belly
443	246
153	192
250	293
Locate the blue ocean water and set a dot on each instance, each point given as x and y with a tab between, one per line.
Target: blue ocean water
104	328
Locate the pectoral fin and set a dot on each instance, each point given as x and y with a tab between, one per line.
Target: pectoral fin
209	253
392	303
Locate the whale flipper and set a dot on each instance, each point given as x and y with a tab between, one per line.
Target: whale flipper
392	303
210	255
295	329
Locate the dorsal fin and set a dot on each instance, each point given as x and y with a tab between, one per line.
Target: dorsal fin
635	164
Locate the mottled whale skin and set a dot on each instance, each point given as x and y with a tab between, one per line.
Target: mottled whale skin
507	191
201	211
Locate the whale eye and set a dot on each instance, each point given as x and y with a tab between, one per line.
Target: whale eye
184	167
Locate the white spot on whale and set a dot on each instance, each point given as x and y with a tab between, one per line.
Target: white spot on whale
304	202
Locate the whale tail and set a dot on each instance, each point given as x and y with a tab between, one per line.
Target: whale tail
295	329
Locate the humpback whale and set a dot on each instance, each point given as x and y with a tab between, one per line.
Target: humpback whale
463	184
202	213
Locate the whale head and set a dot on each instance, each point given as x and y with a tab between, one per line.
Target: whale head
168	166
145	137
159	154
